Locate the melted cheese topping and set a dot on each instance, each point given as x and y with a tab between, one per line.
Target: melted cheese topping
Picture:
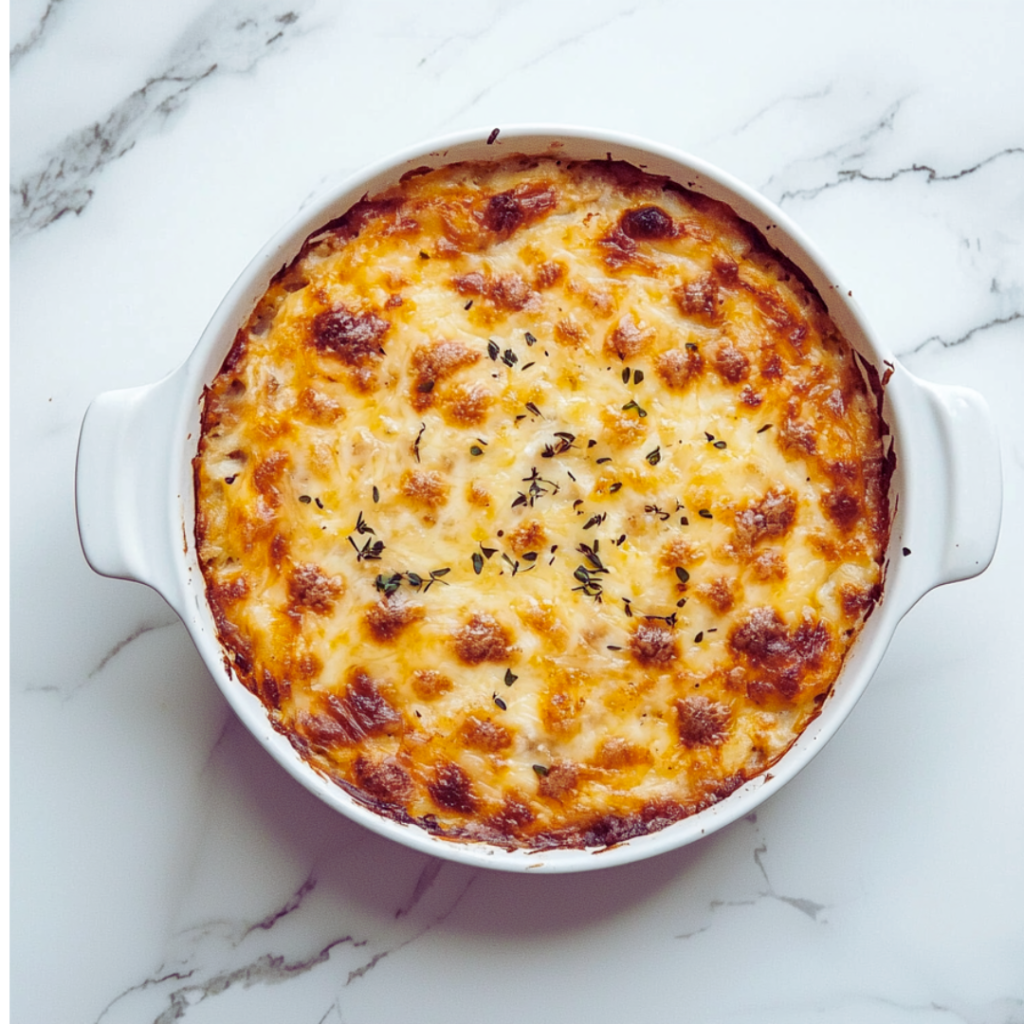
540	502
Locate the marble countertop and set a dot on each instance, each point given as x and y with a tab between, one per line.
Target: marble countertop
163	868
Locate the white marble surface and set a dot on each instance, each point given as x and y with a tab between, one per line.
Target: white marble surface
163	868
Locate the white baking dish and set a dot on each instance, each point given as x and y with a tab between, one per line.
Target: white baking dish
134	484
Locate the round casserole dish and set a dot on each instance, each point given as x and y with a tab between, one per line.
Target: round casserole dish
136	508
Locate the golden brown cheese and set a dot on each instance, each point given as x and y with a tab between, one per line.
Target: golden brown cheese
540	502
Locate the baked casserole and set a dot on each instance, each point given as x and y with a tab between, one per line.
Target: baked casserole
540	501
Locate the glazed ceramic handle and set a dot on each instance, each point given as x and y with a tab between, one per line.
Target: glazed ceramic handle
974	481
125	495
954	493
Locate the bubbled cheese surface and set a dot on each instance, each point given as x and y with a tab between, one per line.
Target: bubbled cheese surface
540	502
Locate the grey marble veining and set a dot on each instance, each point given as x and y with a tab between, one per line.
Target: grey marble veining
226	40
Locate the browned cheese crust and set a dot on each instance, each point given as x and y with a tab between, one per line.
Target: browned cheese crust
540	502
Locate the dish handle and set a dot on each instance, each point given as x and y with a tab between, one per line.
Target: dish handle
955	501
125	496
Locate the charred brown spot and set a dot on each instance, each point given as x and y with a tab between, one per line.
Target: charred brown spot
600	301
835	403
857	600
842	507
383	779
536	199
718	594
619	248
468	404
727	270
843	469
561	708
504	213
548	274
485	734
425	487
258	525
698	298
354	338
569	332
763	638
366	211
715	790
442	359
273	691
878	471
771	366
616	754
462	224
227	592
470	284
446	249
798	435
680	552
702	722
782	656
346	720
483	638
308	666
388	618
545	621
434	363
511	817
452	789
653	646
611	829
770	303
627	338
416	172
508	211
769	518
561	779
528	536
318	407
647	222
750	397
428	683
477	495
364	709
824	545
510	292
787	323
659	814
678	366
267	475
311	588
364	378
730	363
769	565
